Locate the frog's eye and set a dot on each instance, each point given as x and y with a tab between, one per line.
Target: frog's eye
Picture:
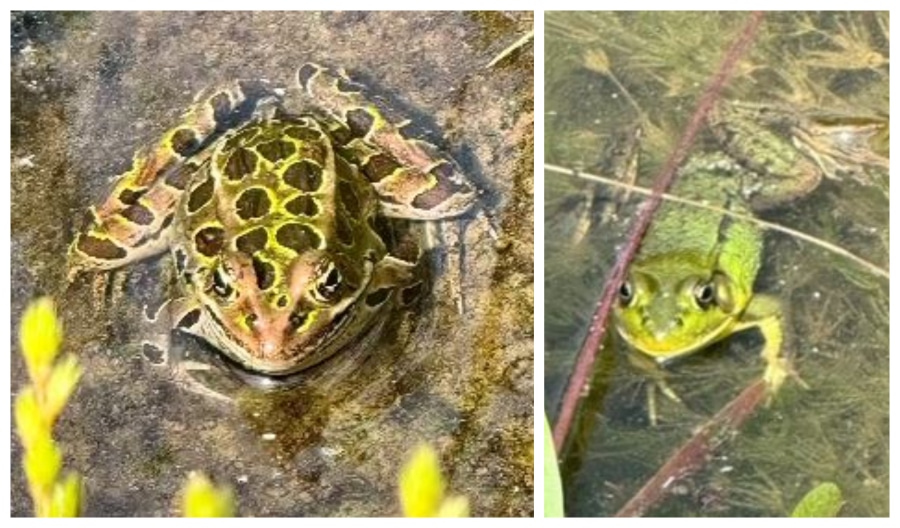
705	294
329	284
221	283
626	293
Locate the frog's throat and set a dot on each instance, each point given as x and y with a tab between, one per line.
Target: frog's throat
662	356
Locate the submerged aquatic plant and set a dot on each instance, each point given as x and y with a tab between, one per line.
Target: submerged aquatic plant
839	430
39	405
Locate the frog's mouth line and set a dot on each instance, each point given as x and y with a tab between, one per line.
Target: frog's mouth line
327	344
665	356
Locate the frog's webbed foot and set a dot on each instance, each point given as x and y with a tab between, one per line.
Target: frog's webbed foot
156	331
778	370
156	341
657	382
183	376
663	387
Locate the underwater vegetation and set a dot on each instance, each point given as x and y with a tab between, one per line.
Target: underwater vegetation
825	258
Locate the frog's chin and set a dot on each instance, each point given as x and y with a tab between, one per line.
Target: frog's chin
664	350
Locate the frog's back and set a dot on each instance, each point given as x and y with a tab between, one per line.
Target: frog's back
705	237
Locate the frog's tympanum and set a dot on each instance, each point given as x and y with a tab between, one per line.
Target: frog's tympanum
691	283
267	200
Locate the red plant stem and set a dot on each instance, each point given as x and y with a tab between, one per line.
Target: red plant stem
692	456
578	381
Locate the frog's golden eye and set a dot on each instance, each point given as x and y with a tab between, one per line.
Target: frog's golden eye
329	284
705	294
626	293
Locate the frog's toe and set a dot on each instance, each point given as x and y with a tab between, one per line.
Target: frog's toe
776	373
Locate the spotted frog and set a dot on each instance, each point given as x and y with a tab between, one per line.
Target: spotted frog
691	283
270	202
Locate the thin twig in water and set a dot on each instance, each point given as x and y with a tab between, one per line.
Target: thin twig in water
693	455
837	250
528	37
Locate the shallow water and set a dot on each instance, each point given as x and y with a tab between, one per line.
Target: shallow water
89	89
604	71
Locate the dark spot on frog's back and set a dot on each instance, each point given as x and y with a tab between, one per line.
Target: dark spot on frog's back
244	136
253	203
276	150
298	237
184	141
201	195
241	163
303	205
99	248
304	175
265	273
304	133
210	240
252	241
360	122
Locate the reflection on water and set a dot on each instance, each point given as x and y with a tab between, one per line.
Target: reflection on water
605	73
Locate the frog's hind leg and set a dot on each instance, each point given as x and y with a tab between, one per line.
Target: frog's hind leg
134	220
412	177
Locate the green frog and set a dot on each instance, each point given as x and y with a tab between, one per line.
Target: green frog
691	283
271	202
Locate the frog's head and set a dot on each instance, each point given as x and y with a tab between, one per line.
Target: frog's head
278	318
670	309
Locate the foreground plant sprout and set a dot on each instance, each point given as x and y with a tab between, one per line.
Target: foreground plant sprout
202	498
39	405
422	488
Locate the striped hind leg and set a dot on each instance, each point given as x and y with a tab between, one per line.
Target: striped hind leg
134	220
412	177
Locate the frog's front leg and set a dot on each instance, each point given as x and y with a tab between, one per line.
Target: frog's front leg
412	177
183	313
657	374
134	221
765	313
157	329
